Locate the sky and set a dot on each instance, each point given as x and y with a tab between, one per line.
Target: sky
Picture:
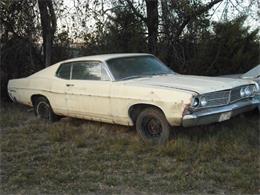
233	7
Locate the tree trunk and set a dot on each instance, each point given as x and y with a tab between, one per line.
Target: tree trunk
151	21
48	22
166	23
152	24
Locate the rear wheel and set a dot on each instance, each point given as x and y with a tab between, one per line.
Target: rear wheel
152	126
43	110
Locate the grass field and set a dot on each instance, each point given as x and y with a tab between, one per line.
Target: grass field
76	157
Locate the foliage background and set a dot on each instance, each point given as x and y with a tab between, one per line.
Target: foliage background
204	47
74	156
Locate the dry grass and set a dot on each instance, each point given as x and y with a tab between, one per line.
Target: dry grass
76	157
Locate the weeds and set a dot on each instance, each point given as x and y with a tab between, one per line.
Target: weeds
77	156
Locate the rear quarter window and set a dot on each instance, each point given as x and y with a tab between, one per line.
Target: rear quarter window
64	71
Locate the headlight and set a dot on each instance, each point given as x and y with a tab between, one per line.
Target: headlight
242	92
248	91
203	101
195	102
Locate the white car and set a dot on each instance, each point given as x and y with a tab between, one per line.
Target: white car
132	89
253	74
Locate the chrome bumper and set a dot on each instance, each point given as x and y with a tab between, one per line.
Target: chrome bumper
218	114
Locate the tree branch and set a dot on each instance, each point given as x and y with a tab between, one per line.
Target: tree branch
136	12
195	14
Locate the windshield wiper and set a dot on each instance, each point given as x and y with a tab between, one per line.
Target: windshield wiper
144	75
131	77
162	73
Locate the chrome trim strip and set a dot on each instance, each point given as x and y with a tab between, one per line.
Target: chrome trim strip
179	88
108	71
222	98
229	96
71	70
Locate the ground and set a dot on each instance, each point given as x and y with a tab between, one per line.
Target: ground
76	157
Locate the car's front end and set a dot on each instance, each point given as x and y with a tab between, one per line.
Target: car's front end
219	106
257	96
254	75
189	100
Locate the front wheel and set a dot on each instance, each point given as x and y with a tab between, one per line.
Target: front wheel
152	126
43	110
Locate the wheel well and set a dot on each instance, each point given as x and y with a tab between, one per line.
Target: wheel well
136	109
35	97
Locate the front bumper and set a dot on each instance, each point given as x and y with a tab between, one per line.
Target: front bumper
218	114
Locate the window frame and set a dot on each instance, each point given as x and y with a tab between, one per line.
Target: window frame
103	66
56	74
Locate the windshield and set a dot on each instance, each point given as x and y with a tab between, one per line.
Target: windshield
136	66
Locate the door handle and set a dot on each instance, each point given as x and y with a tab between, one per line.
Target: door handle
69	85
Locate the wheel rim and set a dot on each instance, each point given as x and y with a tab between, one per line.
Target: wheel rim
43	110
152	126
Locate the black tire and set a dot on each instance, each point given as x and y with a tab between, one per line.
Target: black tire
43	110
152	126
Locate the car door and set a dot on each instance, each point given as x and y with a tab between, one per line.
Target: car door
88	91
58	97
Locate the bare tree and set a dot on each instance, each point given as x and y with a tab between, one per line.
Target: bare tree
176	16
151	21
193	15
48	23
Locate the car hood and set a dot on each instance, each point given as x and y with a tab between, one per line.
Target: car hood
198	84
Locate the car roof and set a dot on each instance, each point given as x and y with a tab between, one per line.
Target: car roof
105	57
53	68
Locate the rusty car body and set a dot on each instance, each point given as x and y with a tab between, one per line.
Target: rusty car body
132	89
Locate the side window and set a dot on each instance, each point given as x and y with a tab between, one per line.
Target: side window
86	71
64	71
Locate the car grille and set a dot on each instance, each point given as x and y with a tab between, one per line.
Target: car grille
221	98
218	98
